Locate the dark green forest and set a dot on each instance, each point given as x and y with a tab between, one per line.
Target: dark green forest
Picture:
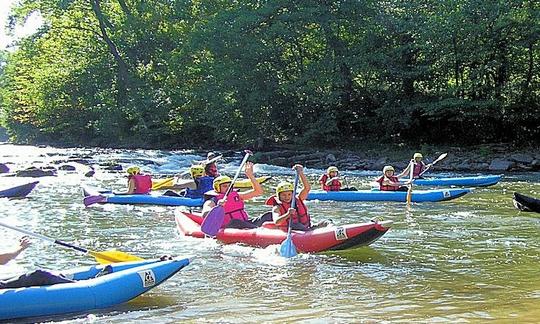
180	73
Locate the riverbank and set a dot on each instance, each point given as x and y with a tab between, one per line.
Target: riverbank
481	158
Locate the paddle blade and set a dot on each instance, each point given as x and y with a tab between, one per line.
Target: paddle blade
113	256
90	200
213	221
287	248
162	183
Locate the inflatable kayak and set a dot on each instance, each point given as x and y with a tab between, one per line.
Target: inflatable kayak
124	282
320	239
478	181
188	183
377	195
96	195
18	191
526	203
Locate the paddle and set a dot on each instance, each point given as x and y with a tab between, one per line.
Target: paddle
90	200
442	156
170	181
213	221
105	257
409	191
287	248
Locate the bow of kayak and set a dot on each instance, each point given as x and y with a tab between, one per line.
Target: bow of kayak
18	191
124	282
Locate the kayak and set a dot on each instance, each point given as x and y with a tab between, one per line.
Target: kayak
124	282
377	195
189	183
526	203
328	238
105	196
18	191
478	181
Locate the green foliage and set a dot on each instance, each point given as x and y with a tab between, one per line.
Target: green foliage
255	73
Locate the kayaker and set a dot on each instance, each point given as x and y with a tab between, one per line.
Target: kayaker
138	183
203	182
389	182
235	214
281	205
330	180
35	278
418	167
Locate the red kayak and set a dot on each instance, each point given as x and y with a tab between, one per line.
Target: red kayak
320	239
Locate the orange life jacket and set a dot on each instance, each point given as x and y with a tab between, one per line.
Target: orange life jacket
387	187
302	216
335	185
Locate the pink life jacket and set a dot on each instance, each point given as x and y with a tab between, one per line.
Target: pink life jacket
417	169
234	207
143	183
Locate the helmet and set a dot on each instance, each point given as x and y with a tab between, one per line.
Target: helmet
133	170
417	155
388	168
196	171
331	169
210	155
219	181
284	186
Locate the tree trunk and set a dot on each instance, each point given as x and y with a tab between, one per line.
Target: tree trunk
122	73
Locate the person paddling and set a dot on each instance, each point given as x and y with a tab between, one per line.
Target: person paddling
281	205
35	278
389	182
418	167
330	180
138	183
235	214
203	182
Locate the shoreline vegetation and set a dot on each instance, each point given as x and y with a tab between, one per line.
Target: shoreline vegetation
265	73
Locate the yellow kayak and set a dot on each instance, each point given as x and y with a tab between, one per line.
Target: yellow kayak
175	183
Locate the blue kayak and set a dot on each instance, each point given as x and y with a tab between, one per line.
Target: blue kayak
149	199
18	191
478	181
376	195
126	281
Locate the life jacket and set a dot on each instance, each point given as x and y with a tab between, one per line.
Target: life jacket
143	183
302	216
335	185
417	169
204	184
234	207
387	187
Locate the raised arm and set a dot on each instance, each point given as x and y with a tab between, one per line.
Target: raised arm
307	187
257	188
24	242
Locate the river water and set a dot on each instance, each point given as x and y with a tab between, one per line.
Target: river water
473	259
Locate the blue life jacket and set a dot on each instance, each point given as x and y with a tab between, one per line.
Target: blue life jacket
204	184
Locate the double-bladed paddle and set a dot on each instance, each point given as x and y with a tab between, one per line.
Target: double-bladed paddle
105	257
287	248
409	191
213	221
90	200
442	156
167	182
